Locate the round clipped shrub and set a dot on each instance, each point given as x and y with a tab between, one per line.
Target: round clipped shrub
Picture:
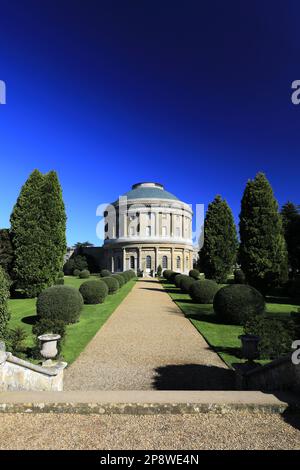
237	303
93	292
131	273
4	296
239	277
173	276
194	273
59	282
178	279
76	272
60	302
112	284
120	279
85	274
105	273
125	277
186	283
167	273
203	292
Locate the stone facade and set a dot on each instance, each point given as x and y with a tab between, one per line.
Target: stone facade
148	227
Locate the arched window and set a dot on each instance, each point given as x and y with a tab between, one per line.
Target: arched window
132	262
178	262
165	262
148	262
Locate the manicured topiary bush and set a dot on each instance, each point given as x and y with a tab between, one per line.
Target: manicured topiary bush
85	274
178	279
76	272
93	292
172	277
167	273
105	273
59	282
239	277
4	296
159	271
203	292
120	279
194	273
60	302
125	277
186	283
237	303
112	284
131	273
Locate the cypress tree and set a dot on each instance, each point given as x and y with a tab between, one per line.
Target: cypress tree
263	252
291	224
218	254
6	251
4	296
38	231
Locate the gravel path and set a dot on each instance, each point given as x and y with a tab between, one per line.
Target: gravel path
147	343
238	430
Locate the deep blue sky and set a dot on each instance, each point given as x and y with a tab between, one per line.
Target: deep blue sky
192	94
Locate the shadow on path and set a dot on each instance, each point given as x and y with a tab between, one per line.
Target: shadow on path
193	377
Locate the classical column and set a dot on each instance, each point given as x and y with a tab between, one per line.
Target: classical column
172	259
156	259
140	259
124	259
156	233
171	225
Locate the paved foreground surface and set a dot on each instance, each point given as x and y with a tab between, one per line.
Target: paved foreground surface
237	430
147	343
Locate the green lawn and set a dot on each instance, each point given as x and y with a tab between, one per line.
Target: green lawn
223	338
92	317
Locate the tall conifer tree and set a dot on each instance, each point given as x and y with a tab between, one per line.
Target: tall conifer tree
219	251
263	254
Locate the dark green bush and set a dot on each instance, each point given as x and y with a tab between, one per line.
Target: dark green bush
60	275
85	274
237	303
93	292
105	273
203	292
4	296
15	340
112	284
293	288
159	271
239	277
120	279
125	277
194	273
276	336
173	277
76	272
131	273
59	282
179	278
61	303
167	274
186	283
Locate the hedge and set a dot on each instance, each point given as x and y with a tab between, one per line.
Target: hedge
112	284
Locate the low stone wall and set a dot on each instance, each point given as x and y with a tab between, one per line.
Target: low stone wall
280	374
19	375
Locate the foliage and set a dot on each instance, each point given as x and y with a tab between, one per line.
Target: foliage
263	254
94	292
179	278
291	224
194	273
38	223
186	283
276	336
6	251
4	296
173	277
293	288
203	292
105	273
60	302
159	271
112	284
239	276
15	339
59	281
218	254
120	279
76	272
85	274
167	274
69	267
236	303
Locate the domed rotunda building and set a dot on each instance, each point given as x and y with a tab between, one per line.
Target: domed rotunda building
148	227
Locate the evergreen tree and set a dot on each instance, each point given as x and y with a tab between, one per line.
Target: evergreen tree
263	252
38	234
4	296
218	254
6	251
291	224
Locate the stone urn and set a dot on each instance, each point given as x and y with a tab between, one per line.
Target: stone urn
250	346
49	345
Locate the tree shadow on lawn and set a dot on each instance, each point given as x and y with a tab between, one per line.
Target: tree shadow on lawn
30	320
194	377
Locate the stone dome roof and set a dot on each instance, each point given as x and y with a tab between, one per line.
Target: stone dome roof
149	191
